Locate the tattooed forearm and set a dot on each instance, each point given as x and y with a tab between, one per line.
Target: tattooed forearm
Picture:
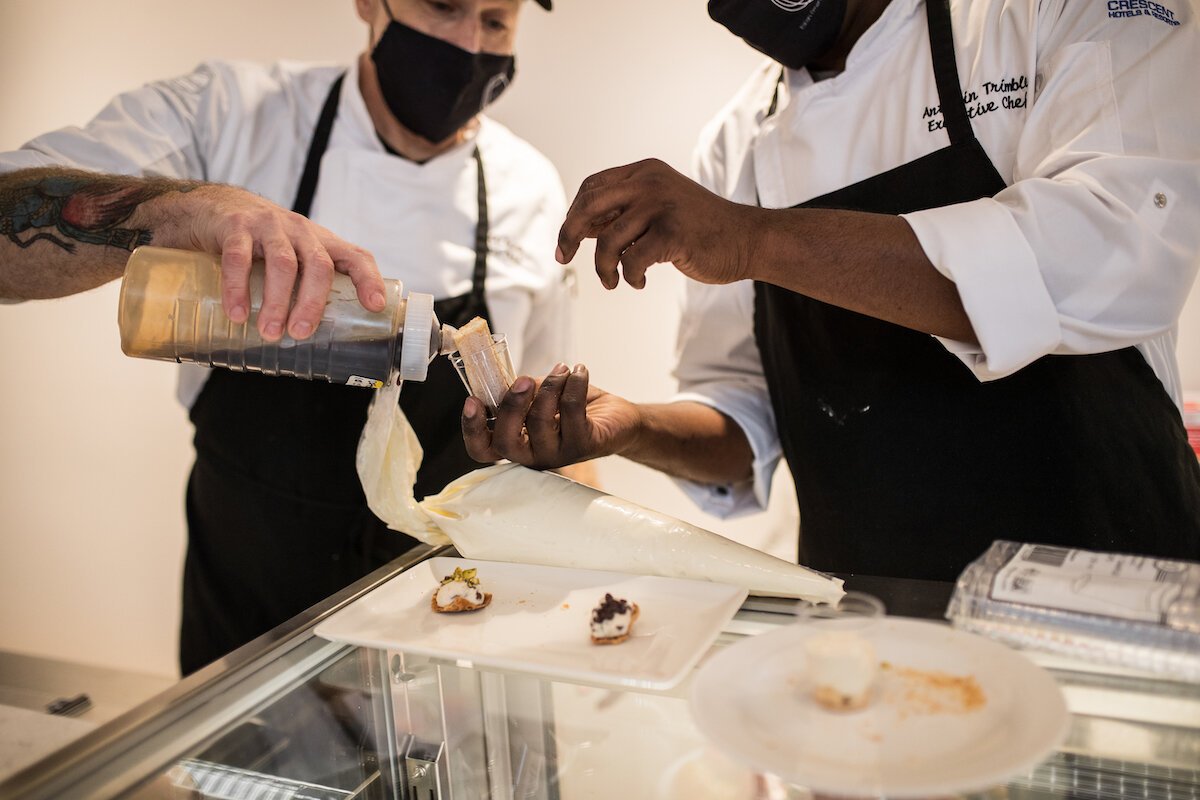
77	206
67	229
71	231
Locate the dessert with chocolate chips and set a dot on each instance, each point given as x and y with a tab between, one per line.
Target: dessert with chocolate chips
613	620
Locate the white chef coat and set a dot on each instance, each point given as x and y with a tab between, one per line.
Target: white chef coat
1089	112
250	126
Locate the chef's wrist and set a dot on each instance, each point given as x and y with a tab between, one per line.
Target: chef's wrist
689	440
757	235
172	215
635	441
777	244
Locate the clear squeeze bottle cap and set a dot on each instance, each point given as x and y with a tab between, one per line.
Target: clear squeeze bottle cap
170	309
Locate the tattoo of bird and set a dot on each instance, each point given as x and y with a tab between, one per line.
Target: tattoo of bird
75	207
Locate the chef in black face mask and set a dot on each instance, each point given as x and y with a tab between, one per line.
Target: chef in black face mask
397	158
455	83
385	161
934	290
436	65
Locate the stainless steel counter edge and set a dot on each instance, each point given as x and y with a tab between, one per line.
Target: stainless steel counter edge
125	733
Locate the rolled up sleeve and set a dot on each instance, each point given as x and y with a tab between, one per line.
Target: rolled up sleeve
980	247
719	366
1094	245
752	412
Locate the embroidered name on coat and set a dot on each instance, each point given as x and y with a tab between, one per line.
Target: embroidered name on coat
1002	93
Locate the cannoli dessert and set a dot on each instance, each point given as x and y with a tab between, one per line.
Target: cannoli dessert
459	592
842	669
488	375
613	620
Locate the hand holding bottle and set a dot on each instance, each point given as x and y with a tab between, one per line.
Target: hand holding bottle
300	255
68	231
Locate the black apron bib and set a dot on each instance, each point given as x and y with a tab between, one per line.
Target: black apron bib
906	465
277	519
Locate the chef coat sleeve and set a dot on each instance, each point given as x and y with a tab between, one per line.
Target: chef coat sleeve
718	365
1093	247
162	129
717	359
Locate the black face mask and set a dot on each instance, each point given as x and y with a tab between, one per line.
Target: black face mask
433	87
792	32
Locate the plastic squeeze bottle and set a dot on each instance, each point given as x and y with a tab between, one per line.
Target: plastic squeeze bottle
170	309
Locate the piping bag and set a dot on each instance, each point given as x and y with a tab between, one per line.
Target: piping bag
508	512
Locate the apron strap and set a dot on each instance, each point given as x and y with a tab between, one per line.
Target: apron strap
945	71
316	149
482	229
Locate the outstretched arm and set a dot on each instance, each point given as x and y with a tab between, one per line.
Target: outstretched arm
64	231
647	213
562	420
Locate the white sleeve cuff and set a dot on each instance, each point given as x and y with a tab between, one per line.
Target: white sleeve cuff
979	246
751	410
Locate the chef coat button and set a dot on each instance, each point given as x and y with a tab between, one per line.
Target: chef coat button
1160	200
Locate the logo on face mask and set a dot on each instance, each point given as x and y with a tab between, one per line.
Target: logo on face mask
792	5
494	89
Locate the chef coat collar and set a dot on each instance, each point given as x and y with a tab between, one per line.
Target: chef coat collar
354	122
890	25
895	17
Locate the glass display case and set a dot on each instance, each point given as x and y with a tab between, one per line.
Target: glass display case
291	715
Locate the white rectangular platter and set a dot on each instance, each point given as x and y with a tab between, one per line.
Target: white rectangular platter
539	622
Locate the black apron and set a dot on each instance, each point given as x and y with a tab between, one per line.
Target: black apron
906	465
277	519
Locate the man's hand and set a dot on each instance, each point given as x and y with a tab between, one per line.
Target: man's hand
562	421
64	231
299	255
647	213
558	422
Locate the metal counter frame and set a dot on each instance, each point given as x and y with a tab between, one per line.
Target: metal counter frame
1130	736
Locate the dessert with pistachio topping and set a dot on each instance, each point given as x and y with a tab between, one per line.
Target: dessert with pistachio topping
459	592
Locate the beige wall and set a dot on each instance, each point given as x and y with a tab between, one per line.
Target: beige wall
95	451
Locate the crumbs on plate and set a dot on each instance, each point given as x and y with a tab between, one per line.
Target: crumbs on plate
920	691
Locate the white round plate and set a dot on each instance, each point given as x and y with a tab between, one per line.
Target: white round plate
917	737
